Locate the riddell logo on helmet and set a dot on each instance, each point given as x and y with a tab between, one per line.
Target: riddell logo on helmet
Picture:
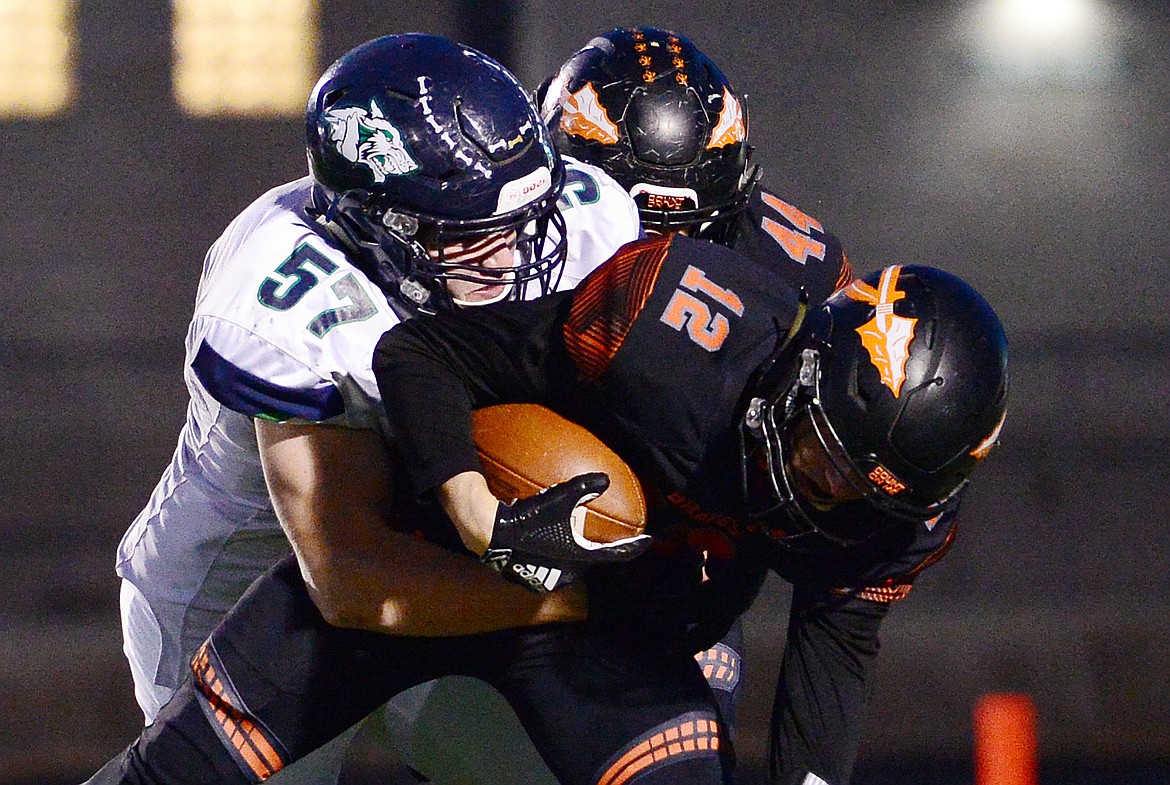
662	197
524	191
884	479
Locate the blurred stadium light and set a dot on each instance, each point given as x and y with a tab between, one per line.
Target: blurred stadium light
245	57
36	74
1046	41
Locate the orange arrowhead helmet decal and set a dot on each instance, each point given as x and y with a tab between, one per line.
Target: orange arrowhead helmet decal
886	336
730	128
583	115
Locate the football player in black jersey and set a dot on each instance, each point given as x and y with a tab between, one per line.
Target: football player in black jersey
660	117
832	448
653	111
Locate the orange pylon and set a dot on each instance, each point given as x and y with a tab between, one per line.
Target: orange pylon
1005	740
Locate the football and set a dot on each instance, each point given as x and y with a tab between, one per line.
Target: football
526	448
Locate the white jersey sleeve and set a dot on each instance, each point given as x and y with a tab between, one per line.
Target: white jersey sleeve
600	217
284	324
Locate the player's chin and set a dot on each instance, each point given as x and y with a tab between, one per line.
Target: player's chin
482	294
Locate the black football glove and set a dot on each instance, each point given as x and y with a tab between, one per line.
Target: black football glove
539	542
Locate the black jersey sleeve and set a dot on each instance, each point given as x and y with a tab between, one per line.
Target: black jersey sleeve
824	685
433	371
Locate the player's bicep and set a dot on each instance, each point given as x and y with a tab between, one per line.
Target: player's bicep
330	486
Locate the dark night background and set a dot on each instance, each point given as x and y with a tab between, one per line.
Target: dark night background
1042	177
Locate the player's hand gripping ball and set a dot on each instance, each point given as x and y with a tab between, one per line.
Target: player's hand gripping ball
526	448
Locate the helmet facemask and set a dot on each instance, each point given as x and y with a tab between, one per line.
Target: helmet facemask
408	255
804	488
714	223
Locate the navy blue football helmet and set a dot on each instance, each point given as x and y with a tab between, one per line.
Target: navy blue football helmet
415	143
648	107
884	400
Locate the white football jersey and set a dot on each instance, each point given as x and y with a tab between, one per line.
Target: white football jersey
284	327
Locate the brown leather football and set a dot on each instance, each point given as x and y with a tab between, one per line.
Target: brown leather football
525	448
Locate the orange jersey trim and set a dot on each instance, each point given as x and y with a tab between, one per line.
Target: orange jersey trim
896	589
845	276
608	301
880	594
720	665
251	748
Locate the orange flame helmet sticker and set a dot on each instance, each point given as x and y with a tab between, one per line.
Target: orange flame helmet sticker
583	115
886	336
984	447
730	128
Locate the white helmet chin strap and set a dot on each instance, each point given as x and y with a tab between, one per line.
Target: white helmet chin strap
507	290
508	286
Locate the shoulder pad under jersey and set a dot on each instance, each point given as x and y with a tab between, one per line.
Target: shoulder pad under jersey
600	217
285	325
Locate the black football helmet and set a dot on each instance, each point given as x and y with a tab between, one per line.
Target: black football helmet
659	117
891	391
416	142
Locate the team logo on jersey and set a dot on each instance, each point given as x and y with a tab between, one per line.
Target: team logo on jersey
583	115
886	336
730	128
368	138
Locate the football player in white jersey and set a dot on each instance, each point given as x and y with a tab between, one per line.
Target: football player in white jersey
432	185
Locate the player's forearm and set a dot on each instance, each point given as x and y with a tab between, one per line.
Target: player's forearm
824	686
471	507
433	372
411	587
331	492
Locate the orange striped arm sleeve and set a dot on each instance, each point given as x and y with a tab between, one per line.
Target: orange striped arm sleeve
608	301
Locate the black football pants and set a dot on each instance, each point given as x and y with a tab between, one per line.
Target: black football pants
275	681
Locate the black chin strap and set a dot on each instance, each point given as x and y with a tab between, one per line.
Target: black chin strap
370	258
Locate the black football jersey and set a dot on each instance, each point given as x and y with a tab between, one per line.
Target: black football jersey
794	244
653	352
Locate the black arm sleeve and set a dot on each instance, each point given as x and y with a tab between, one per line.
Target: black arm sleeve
433	371
824	687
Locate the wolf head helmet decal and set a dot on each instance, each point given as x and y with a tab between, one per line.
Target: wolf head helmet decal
368	138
